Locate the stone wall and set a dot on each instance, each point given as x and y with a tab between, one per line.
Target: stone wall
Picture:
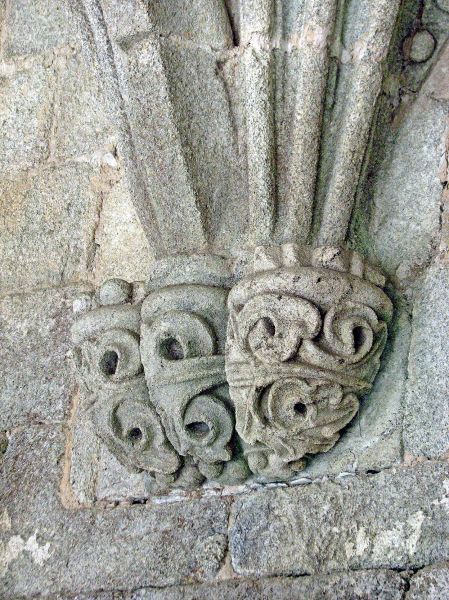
79	174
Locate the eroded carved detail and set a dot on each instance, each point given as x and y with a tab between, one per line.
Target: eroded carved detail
196	382
306	331
108	357
183	332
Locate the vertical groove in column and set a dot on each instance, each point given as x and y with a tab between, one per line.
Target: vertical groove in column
368	55
318	21
166	172
256	24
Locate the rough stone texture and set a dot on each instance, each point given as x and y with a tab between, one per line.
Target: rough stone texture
396	518
26	95
364	585
382	585
122	249
48	548
67	217
373	441
36	381
426	426
432	583
204	23
408	185
83	123
37	26
49	222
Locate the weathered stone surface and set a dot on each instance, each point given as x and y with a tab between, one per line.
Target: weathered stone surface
125	19
46	548
26	93
205	120
83	124
49	223
36	381
408	185
382	585
432	583
422	46
37	26
198	127
373	440
294	376
426	417
397	519
182	126
202	22
122	248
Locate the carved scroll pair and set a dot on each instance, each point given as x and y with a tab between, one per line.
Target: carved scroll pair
206	377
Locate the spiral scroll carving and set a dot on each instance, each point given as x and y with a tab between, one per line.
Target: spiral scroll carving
303	343
196	382
272	326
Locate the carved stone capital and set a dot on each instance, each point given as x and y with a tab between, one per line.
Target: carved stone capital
220	369
197	379
306	332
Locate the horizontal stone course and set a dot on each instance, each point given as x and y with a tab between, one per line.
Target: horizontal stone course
432	583
396	519
46	548
382	585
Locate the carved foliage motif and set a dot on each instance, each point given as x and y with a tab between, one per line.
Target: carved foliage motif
305	336
219	370
183	329
197	381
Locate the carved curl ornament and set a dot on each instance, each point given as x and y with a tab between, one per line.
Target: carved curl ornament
196	381
231	368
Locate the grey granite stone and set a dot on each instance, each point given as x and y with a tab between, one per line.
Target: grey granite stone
83	124
49	224
50	546
87	596
182	125
205	120
426	419
26	94
373	440
383	585
125	19
122	248
432	583
397	518
37	26
204	22
422	46
407	185
36	382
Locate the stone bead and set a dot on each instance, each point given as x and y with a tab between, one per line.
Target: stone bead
114	291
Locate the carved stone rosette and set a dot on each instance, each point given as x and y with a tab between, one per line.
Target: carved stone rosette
305	335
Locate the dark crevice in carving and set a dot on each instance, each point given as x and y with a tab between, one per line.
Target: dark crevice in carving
109	362
232	10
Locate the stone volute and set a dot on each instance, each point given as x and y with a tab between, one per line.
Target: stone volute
242	362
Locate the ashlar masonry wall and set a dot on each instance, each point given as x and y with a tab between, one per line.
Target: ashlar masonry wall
369	518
